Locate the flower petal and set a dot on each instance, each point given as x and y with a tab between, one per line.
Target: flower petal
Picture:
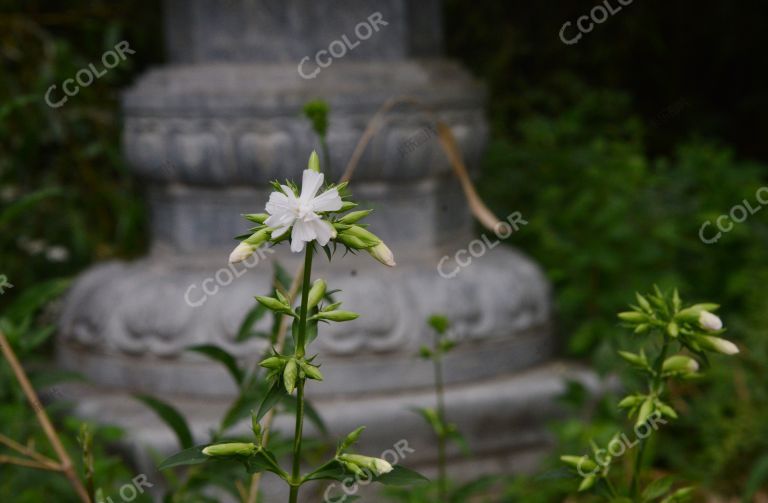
279	203
327	201
311	181
302	233
322	229
280	231
281	219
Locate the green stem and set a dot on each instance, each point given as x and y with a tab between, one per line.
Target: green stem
657	367
441	447
299	352
295	474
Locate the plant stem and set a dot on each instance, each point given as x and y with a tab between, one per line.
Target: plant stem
442	479
657	366
305	286
66	466
299	353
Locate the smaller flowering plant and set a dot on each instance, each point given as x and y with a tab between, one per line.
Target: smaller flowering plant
310	216
684	336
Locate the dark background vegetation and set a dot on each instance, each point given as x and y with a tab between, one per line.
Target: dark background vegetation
615	149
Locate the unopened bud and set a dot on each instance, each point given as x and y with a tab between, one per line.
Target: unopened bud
717	344
710	322
383	254
337	315
314	162
241	252
680	363
316	293
234	449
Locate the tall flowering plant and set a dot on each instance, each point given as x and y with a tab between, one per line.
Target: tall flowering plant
313	215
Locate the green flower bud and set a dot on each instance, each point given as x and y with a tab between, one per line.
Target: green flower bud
354	216
717	344
383	254
347	205
630	401
633	317
666	410
311	371
314	162
274	304
316	293
259	218
680	364
259	237
587	482
633	358
645	412
710	322
290	374
351	439
643	302
672	329
241	252
233	449
351	241
353	468
337	315
364	234
378	466
272	363
581	463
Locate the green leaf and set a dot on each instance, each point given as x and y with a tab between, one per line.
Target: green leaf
217	354
171	417
192	456
282	279
245	332
658	488
332	470
401	476
273	396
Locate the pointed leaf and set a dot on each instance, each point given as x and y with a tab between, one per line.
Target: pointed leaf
256	313
217	354
171	417
192	456
401	476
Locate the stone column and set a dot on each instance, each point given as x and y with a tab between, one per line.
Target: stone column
209	130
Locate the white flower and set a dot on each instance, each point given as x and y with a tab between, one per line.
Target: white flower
710	322
381	467
383	254
286	210
240	253
720	345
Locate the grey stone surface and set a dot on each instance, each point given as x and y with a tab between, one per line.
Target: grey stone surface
207	131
